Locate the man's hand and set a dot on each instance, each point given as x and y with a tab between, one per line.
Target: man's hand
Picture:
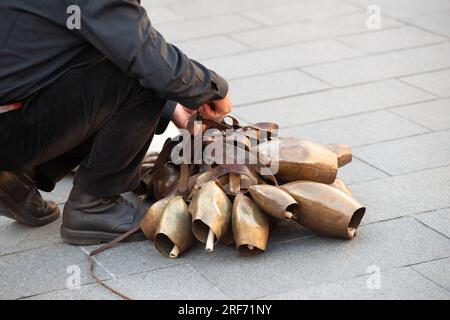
214	110
217	110
181	116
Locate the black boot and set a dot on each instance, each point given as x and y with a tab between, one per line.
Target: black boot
91	220
20	200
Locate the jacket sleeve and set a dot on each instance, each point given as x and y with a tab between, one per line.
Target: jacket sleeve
122	31
166	116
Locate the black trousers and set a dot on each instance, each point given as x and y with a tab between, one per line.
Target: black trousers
94	116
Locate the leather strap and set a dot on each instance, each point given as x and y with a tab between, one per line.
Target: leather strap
104	247
183	185
263	127
221	170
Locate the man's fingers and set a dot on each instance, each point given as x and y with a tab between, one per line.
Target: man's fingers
209	112
217	109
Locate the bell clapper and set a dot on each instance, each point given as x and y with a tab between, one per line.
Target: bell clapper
288	215
175	252
210	241
250	247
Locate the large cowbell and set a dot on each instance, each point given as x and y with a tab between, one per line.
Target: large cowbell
168	223
294	159
326	209
211	211
250	226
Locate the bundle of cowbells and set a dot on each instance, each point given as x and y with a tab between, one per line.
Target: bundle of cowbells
240	202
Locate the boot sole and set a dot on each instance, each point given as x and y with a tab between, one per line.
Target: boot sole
11	212
86	238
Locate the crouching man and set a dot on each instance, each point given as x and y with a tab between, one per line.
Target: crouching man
92	97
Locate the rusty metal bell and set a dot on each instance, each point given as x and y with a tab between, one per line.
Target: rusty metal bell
211	214
250	226
326	209
151	220
275	201
173	234
165	181
299	160
343	153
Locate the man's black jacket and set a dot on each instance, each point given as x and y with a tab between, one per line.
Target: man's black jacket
37	47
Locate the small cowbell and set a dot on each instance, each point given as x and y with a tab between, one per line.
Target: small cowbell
326	209
275	201
250	226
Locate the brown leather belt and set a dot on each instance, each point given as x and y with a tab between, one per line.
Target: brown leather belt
11	107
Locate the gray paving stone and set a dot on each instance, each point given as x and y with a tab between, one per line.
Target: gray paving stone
309	30
434	114
393	197
333	103
356	130
270	60
308	9
438	22
85	292
308	262
397	284
406	8
179	282
437	82
408	154
389	40
438	220
41	270
383	66
16	237
269	37
208	26
274	85
211	47
288	231
160	14
437	271
149	3
166	284
205	8
359	171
